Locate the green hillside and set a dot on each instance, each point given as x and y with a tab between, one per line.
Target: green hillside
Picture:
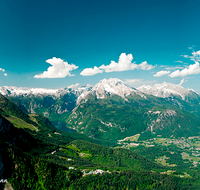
24	171
39	125
54	108
29	172
130	180
114	118
190	104
117	157
36	155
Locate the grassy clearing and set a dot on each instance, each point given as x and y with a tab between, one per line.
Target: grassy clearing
32	117
196	144
190	158
168	172
161	141
19	123
68	152
132	138
162	160
85	155
73	148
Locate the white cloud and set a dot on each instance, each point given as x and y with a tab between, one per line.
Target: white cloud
161	73
191	47
138	82
162	65
2	69
124	64
58	69
182	81
195	56
178	61
186	56
144	66
191	70
91	71
197	53
173	68
73	85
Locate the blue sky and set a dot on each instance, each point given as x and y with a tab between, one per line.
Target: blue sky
54	44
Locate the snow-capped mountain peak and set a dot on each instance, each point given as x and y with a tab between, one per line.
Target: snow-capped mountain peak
17	91
24	91
112	86
165	90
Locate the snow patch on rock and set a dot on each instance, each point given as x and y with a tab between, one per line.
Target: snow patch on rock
165	90
108	87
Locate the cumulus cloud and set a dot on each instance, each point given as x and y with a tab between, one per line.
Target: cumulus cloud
195	56
74	85
91	71
161	73
58	69
144	66
124	64
191	70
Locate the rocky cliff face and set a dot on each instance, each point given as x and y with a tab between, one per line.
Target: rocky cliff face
110	87
162	117
48	102
186	99
174	92
165	90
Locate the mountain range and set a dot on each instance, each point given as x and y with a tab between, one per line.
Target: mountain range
186	99
67	98
112	110
34	154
